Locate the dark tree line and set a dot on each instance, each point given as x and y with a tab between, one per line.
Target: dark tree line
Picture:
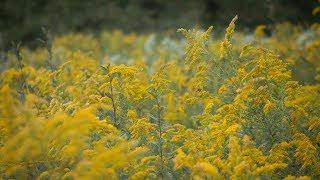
23	19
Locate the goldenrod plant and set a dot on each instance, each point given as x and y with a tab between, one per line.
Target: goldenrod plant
128	106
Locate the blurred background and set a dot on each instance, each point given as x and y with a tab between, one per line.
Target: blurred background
21	20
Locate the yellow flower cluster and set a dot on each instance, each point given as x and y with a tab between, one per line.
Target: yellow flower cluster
150	107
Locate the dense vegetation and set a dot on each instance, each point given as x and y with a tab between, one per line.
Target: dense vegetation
23	19
145	106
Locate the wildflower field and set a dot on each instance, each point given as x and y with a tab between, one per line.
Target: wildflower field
149	106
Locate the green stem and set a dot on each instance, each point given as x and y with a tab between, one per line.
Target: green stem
159	112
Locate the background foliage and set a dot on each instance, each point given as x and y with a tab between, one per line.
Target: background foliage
23	19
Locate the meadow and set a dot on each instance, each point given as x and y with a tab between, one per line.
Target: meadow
149	106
